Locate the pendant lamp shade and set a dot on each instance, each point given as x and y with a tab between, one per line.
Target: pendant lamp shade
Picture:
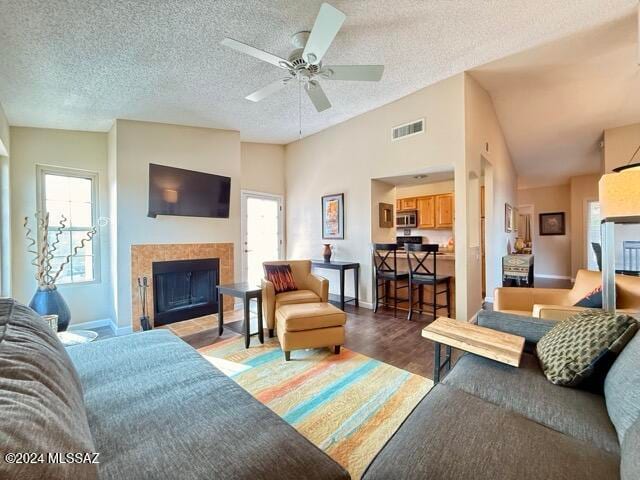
619	195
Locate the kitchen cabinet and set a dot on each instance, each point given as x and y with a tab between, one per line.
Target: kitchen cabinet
406	204
426	212
444	210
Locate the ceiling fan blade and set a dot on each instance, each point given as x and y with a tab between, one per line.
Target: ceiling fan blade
325	28
255	52
268	90
364	73
317	96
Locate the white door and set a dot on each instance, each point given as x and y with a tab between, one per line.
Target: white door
262	233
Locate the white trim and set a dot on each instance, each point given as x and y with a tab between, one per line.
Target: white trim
102	322
118	331
488	299
244	194
41	171
557	277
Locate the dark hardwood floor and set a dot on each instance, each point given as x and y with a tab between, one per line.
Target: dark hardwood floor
393	340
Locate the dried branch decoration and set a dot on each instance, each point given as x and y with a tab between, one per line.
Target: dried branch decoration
43	251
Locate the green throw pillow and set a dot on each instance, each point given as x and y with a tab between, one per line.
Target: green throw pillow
568	353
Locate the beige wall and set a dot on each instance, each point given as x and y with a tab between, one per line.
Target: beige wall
5	207
493	169
583	188
345	158
552	252
262	167
202	149
619	145
62	148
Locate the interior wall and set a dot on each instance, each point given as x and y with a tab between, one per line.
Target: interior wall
488	157
619	145
552	252
583	188
406	191
382	192
60	148
5	206
262	167
201	149
344	159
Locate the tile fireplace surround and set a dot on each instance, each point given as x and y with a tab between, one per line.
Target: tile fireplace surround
143	256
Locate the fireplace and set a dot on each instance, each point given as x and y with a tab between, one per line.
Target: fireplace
184	289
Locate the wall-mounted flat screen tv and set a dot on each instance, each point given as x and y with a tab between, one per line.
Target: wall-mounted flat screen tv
175	191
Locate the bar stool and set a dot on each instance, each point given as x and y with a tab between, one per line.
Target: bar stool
386	271
420	275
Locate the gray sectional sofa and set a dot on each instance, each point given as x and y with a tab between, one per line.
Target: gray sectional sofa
155	409
489	421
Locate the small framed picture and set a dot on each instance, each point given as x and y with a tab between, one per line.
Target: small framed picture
552	223
508	218
333	216
385	214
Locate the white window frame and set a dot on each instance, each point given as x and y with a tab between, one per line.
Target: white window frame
41	171
587	224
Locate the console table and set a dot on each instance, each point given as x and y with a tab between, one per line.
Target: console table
342	267
245	292
499	346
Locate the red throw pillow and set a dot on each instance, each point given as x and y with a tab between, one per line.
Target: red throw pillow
281	276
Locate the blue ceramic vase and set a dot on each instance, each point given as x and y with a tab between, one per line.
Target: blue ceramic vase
48	301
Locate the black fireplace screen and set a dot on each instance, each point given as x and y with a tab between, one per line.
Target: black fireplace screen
184	289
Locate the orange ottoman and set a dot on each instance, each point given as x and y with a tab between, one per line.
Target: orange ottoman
310	325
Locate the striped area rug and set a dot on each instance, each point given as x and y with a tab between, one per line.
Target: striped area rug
349	405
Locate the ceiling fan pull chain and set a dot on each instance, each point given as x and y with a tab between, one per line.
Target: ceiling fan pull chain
300	108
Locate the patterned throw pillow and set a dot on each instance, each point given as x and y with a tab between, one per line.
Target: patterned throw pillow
568	353
592	299
281	277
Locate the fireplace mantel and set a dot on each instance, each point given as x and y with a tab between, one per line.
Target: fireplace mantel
143	256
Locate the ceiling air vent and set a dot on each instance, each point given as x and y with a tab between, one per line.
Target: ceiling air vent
408	129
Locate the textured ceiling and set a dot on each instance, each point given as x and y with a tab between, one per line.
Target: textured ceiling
554	101
78	64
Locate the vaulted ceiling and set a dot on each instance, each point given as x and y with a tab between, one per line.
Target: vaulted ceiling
79	64
554	101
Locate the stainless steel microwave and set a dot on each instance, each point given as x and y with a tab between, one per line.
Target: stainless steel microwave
407	219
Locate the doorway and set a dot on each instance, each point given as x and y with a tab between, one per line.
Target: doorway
262	229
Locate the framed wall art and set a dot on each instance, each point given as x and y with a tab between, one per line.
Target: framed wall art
552	223
333	216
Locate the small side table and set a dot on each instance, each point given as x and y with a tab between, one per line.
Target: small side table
499	346
342	266
76	337
246	292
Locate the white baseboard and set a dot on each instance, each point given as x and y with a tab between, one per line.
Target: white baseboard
102	322
488	299
557	277
117	331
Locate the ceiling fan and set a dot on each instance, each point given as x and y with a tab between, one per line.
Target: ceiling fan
305	61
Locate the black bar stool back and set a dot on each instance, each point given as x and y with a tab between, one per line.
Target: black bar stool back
421	274
385	270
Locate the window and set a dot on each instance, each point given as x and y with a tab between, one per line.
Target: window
70	194
593	233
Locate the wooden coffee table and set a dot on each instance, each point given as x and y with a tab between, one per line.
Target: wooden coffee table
499	346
